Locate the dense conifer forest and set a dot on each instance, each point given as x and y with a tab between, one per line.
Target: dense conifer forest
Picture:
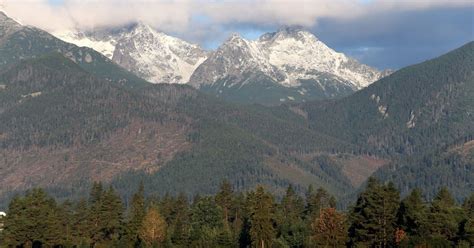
256	218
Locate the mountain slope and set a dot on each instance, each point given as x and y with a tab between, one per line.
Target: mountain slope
152	55
414	116
19	42
288	65
61	127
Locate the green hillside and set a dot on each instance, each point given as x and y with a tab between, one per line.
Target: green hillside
413	117
70	127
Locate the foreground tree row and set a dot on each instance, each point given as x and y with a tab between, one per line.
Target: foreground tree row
230	219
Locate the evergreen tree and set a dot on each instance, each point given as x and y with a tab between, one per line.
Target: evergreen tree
412	215
180	222
261	210
291	226
206	222
136	215
224	199
444	216
316	200
373	218
81	225
466	227
33	220
111	215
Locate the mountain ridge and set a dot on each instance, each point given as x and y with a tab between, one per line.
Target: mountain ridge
291	63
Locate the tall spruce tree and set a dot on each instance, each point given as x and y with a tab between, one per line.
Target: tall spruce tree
444	216
261	217
412	215
33	220
180	225
224	199
136	215
466	227
373	218
292	229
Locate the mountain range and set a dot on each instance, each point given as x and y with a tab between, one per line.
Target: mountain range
70	115
288	65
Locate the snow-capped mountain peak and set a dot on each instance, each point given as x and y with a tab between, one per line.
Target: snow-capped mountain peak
152	55
287	65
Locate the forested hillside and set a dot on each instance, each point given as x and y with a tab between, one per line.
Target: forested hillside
69	117
417	109
256	218
420	117
72	128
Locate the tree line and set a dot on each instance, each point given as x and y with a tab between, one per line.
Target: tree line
379	218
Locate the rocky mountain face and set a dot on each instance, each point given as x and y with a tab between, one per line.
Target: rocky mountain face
290	64
152	55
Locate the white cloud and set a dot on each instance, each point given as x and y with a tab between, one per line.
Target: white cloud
177	15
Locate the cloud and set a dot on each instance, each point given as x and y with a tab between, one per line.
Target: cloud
176	15
382	33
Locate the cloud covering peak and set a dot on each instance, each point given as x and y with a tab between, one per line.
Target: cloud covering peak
180	15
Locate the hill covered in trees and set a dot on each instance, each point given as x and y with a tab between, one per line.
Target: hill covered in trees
379	218
420	117
71	127
69	116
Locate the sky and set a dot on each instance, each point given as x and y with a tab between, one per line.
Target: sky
381	33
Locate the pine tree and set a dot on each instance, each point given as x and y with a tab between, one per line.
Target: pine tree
466	226
137	213
261	211
291	226
180	222
318	200
81	225
33	220
95	219
444	216
206	222
224	199
412	215
373	218
112	215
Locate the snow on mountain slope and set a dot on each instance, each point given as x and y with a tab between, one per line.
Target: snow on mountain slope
287	57
150	54
301	55
106	46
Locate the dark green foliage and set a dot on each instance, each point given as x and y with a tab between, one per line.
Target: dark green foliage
254	219
373	218
34	218
136	215
261	217
292	229
414	117
413	215
444	215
